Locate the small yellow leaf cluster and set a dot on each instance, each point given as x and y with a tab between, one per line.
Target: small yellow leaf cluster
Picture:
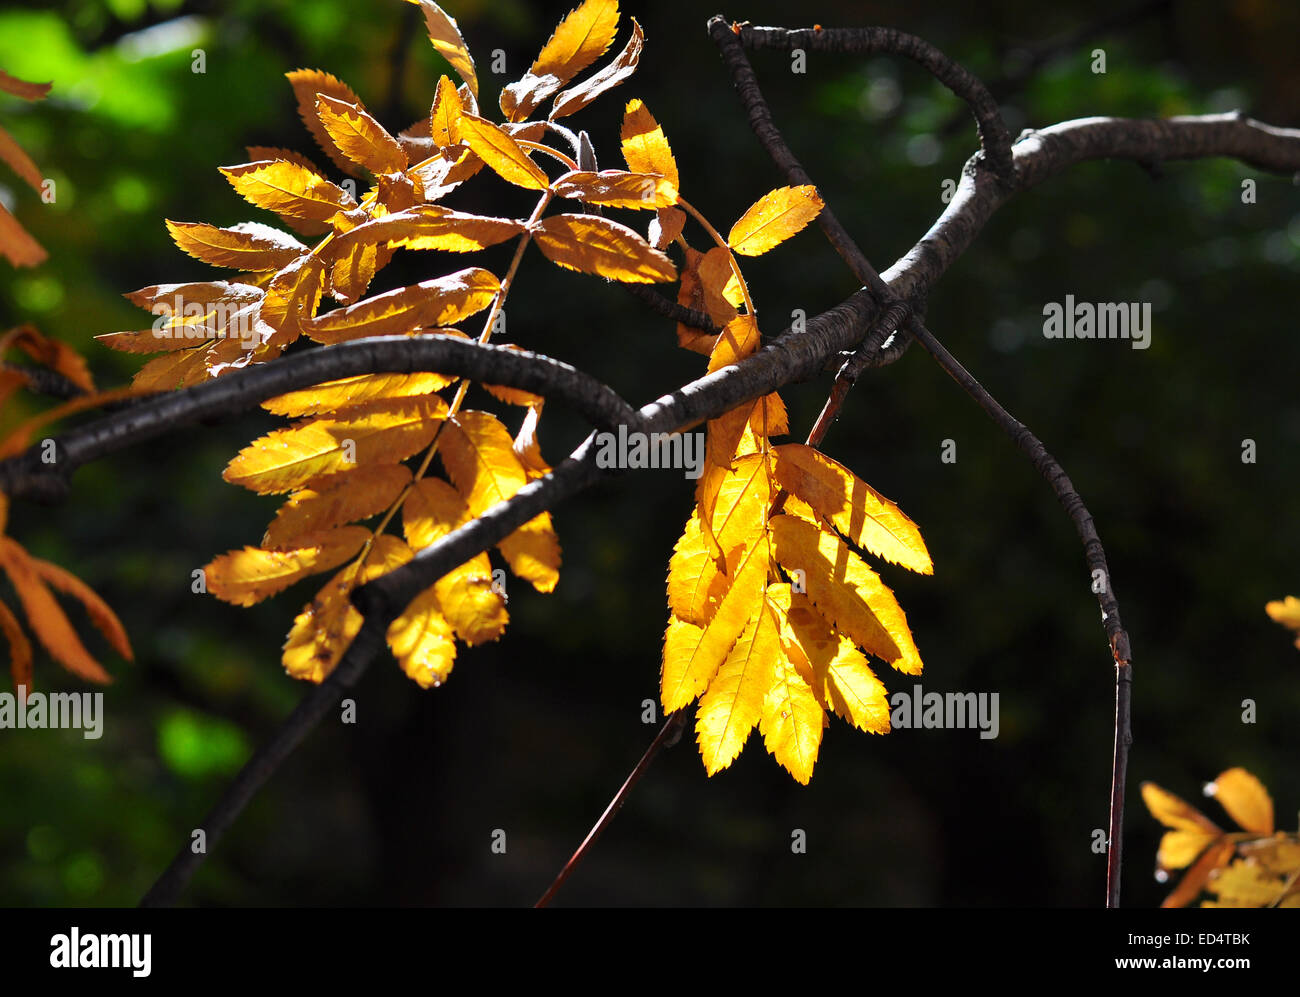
1255	867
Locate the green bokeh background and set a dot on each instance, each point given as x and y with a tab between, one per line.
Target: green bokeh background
533	734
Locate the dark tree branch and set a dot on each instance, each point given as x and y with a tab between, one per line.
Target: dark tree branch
671	309
994	139
27	476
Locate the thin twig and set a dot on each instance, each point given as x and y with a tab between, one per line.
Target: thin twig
994	138
666	732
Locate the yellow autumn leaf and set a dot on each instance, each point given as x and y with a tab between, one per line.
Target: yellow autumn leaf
846	591
645	149
624	65
501	152
857	510
1172	811
1194	880
478	452
444	115
579	40
1244	798
245	577
431	226
289	189
596	245
384	431
695	583
773	218
469	598
421	641
334	501
793	717
292	298
837	671
430	303
336	396
447	41
734	702
739	338
247	246
359	136
307	85
617	189
326	626
693	654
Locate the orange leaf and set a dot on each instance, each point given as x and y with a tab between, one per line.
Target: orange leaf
245	577
307	85
16	245
447	41
596	245
381	432
431	226
359	136
644	147
581	38
247	246
20	649
617	189
21	88
323	630
335	500
437	302
506	156
21	163
624	65
45	617
289	189
773	218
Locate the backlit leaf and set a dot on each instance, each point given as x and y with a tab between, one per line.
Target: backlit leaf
335	500
624	65
383	431
645	150
596	245
336	396
617	189
246	246
581	38
322	632
478	452
501	152
447	41
1245	799
773	218
289	189
359	136
856	509
307	85
431	303
244	577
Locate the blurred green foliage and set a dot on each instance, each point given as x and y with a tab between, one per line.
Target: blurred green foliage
534	733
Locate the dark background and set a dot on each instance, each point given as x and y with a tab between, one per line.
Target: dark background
534	734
